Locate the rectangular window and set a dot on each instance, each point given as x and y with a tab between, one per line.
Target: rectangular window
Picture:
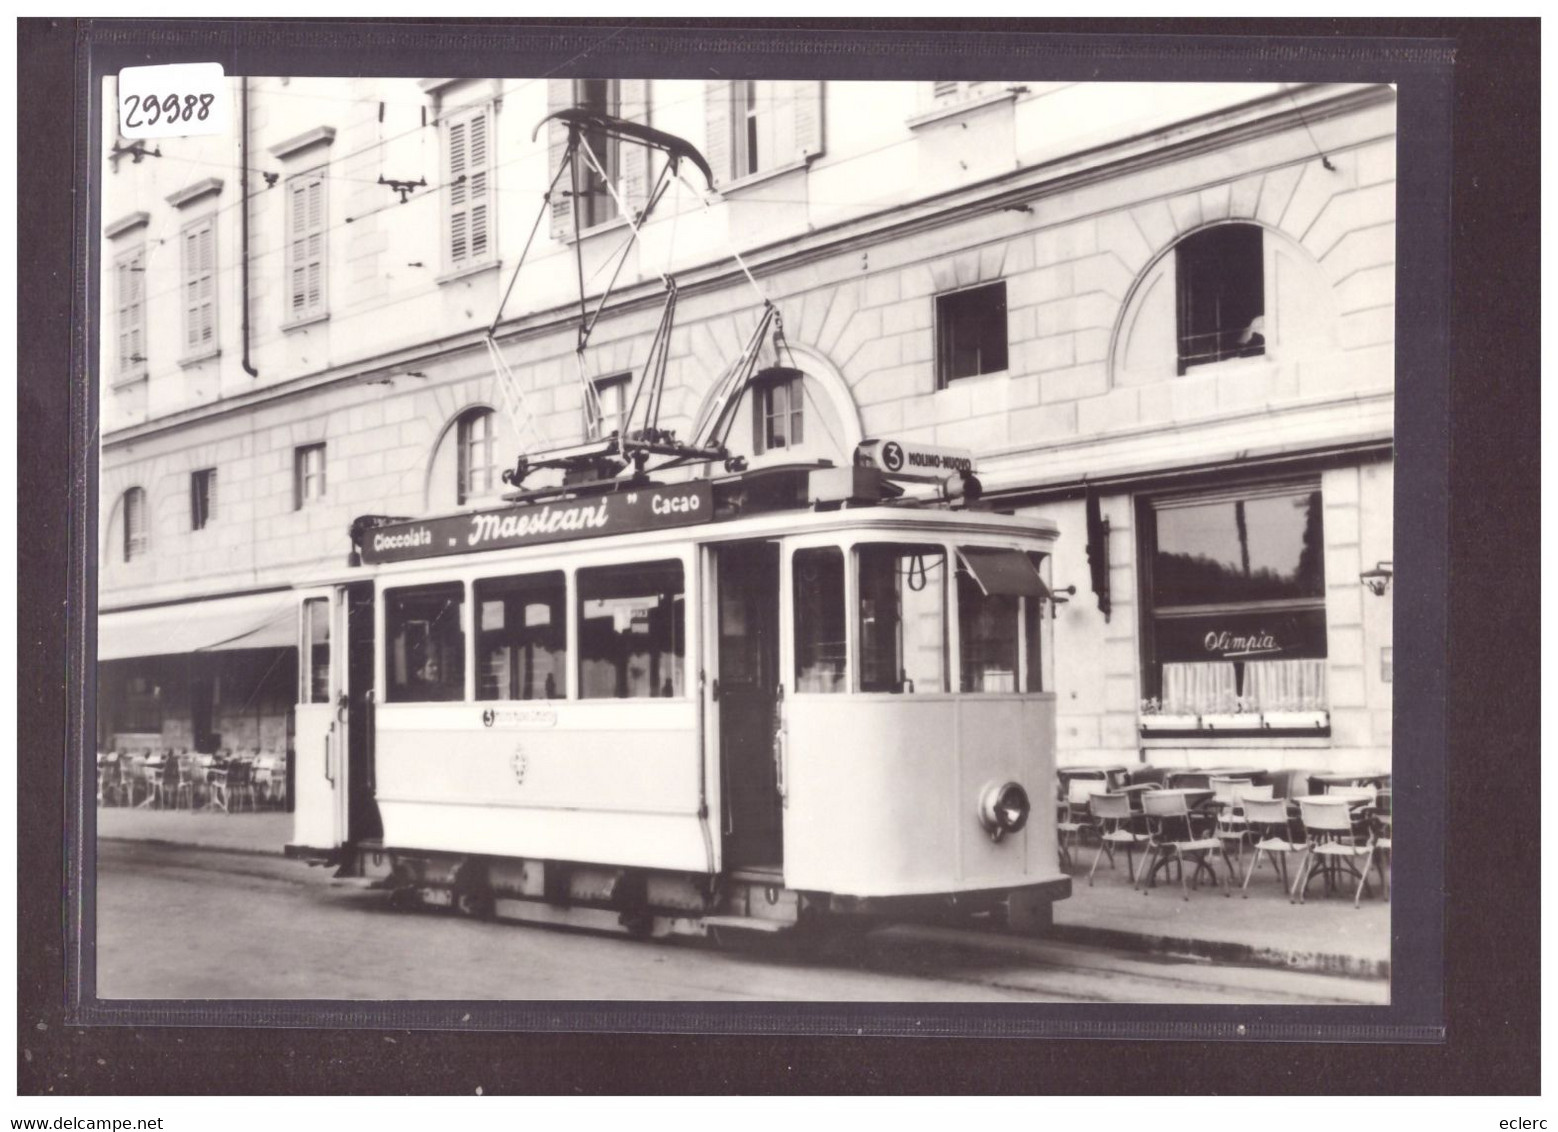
903	618
306	246
424	641
1221	286
1234	599
779	419
596	204
521	637
316	650
820	660
199	288
970	333
611	396
130	304
1038	622
308	475
202	498
632	631
754	119
468	195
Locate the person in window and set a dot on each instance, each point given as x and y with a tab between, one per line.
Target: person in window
1252	339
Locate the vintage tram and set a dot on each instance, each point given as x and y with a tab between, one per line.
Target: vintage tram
766	700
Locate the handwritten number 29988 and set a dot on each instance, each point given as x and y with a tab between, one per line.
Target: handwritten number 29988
189	108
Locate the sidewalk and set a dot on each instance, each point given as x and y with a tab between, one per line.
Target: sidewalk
1325	935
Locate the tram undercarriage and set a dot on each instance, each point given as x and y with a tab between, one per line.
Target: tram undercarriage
653	904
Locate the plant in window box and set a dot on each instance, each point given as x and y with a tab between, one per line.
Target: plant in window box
1238	714
1156	716
1298	715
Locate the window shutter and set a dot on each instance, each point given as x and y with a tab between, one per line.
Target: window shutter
808	118
782	108
559	96
459	195
717	95
479	173
635	158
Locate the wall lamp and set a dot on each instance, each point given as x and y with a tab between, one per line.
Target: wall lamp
1378	579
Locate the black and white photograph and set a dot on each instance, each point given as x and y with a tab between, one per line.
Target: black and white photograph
745	540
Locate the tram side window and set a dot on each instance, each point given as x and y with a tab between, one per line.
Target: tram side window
316	623
819	619
632	631
425	644
903	618
521	637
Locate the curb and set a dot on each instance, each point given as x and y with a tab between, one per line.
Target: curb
1205	950
1225	951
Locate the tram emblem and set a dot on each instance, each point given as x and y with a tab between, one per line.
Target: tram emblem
521	763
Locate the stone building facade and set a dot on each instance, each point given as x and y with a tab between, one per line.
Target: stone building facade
1172	306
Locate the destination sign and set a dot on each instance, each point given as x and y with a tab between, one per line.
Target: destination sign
905	460
531	524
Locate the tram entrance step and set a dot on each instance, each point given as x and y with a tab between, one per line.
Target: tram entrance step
758	874
746	923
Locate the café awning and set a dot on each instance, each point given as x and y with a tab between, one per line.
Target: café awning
251	621
1003	571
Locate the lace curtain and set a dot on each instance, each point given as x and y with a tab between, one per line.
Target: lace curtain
1269	685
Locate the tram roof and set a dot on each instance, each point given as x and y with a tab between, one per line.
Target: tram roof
764	504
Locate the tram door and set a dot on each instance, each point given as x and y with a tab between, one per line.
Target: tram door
318	818
747	627
362	811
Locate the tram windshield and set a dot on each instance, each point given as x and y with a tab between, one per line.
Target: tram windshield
632	631
903	618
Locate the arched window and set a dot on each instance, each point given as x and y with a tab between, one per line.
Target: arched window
478	472
1220	279
134	524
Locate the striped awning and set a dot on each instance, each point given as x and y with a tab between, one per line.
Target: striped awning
250	621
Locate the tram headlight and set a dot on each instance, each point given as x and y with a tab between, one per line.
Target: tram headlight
1003	809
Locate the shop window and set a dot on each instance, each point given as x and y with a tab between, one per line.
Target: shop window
778	412
199	288
130	312
202	498
478	469
306	230
818	578
632	631
316	651
1220	273
308	481
424	639
468	194
596	204
139	707
903	618
611	399
970	333
521	637
1234	602
134	518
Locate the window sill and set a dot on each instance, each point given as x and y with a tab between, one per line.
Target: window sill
976	378
126	381
305	321
615	224
953	109
189	360
467	271
763	175
1237	725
